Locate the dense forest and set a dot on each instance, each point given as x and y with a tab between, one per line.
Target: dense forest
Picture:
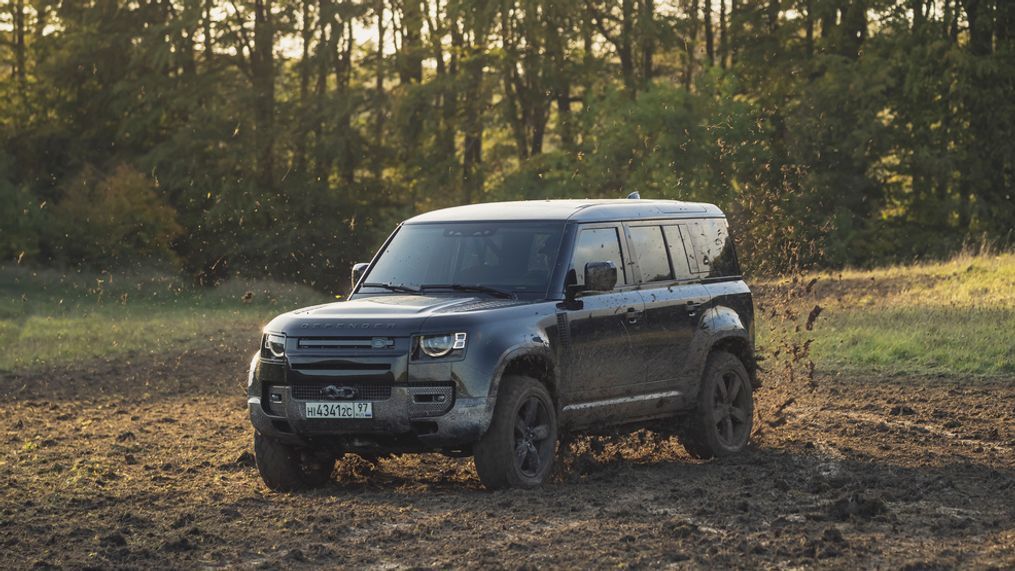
286	137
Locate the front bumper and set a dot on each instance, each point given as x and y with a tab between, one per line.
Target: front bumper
425	410
392	427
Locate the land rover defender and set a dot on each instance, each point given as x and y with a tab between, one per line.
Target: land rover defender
491	329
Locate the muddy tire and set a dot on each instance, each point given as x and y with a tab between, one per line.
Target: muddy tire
517	451
722	423
285	469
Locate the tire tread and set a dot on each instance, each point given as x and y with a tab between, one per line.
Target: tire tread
495	468
279	466
696	435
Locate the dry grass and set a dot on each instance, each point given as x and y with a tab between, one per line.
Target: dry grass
53	318
950	318
947	318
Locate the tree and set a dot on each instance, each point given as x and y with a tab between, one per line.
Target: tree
285	137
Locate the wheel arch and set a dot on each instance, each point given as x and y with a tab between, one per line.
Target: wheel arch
740	347
533	361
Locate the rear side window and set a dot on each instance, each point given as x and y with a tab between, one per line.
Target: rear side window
650	253
713	248
678	255
597	245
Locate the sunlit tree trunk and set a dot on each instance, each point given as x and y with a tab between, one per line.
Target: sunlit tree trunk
347	157
734	30
983	166
409	63
560	82
690	45
450	96
514	109
709	38
376	163
262	67
206	22
647	35
410	59
472	152
588	47
625	50
306	35
829	18
809	7
19	41
723	40
322	58
916	8
854	23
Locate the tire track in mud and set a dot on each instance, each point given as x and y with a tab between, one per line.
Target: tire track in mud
158	473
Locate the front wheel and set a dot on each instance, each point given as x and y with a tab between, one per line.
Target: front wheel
722	423
285	468
517	451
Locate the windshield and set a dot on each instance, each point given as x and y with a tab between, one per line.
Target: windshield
512	257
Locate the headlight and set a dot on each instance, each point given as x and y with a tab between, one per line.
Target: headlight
275	344
437	346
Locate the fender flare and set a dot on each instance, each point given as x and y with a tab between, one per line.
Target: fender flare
522	351
721	325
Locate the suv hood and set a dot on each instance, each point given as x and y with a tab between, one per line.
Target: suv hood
391	315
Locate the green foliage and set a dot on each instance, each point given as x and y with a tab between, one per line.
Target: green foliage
117	219
20	218
834	132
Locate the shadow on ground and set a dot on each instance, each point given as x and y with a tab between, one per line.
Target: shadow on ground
149	464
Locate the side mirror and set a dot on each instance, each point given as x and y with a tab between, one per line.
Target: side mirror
357	272
600	276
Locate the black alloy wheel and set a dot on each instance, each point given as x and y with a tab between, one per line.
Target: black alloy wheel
533	447
722	423
730	409
517	450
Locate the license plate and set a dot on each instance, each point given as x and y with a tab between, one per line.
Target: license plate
340	410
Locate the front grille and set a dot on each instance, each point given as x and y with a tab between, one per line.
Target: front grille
340	366
345	343
364	390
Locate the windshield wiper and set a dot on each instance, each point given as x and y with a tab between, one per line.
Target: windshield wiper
393	287
472	288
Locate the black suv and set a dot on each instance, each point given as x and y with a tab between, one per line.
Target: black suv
489	329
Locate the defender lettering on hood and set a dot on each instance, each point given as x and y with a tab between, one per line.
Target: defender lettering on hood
344	325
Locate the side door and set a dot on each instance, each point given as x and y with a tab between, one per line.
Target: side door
603	327
674	299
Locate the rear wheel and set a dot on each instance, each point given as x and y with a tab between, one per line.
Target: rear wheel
517	451
722	423
285	468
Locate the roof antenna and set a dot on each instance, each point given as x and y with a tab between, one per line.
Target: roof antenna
634	195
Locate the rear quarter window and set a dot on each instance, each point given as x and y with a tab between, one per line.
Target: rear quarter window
713	248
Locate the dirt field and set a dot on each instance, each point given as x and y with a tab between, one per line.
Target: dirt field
147	463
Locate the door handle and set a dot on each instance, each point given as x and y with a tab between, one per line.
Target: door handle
633	314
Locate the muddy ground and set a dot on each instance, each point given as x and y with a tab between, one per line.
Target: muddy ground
146	462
